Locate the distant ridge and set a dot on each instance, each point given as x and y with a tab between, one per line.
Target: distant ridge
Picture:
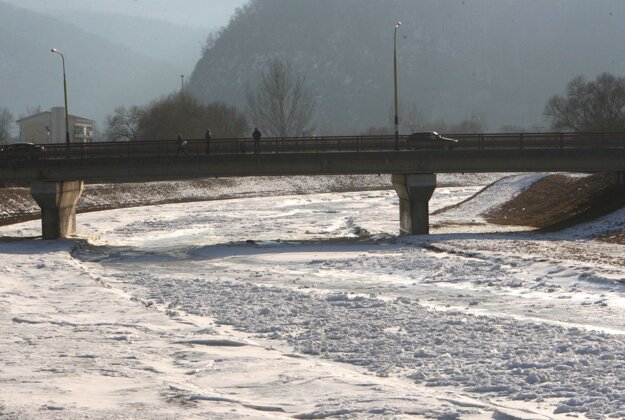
498	60
101	75
173	45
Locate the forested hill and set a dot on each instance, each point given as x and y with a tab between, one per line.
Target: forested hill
496	59
101	74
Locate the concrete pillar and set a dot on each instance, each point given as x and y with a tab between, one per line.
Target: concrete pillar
414	191
618	178
58	206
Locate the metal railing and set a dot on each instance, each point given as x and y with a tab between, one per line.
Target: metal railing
325	144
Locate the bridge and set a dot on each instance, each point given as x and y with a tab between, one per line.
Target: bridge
57	174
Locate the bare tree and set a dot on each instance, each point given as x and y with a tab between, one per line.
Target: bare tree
33	110
511	128
415	122
282	104
410	117
589	106
470	125
6	123
123	124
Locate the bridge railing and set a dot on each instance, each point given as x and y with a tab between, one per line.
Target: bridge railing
199	147
522	141
322	144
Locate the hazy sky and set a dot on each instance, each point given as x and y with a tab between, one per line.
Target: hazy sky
205	13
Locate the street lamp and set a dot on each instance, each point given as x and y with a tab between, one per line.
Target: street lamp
397	25
181	82
55	51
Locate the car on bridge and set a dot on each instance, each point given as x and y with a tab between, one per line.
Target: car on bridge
430	140
24	151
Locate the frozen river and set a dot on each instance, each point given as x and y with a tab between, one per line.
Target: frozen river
510	319
347	243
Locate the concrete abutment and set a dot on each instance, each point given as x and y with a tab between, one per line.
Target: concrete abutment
57	201
414	191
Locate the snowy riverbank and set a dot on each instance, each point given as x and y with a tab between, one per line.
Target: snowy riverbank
17	205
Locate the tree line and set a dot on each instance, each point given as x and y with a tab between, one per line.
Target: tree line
282	105
597	105
178	113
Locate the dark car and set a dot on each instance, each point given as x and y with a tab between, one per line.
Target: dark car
21	151
430	140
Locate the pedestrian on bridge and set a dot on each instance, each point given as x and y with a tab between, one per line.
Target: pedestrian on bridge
256	136
242	146
208	136
181	145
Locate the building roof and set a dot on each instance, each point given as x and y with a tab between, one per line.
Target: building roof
76	117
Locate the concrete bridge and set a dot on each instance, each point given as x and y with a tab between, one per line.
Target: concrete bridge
57	174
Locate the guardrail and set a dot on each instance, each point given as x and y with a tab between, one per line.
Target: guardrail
198	147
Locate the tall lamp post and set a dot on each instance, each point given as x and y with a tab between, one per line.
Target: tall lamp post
55	51
397	25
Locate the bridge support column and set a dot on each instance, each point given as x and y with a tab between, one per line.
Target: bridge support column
618	178
57	201
414	191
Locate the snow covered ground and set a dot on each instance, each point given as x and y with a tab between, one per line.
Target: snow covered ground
310	306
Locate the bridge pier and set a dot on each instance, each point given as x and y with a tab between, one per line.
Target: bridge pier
57	201
414	191
618	178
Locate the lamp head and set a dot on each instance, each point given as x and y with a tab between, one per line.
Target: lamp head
397	25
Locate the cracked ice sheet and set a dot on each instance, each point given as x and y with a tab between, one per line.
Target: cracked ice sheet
73	346
194	259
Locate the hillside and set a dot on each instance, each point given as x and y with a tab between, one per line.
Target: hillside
497	59
177	45
100	74
190	13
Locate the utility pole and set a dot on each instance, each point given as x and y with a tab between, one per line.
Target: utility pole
55	51
397	25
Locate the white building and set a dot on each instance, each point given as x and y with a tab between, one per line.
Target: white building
49	127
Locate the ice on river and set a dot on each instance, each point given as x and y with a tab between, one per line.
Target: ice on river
311	306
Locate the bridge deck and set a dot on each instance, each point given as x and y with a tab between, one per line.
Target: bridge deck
141	161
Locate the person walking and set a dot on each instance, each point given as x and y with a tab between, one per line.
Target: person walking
242	146
207	137
256	136
181	145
